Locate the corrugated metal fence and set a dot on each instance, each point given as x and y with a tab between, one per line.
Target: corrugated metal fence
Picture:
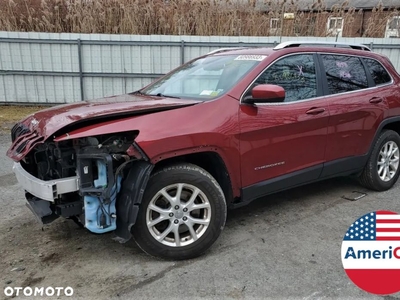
62	68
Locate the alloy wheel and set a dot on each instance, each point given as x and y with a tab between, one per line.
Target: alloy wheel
388	161
178	215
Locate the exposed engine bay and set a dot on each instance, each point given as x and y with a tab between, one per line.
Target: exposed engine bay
99	163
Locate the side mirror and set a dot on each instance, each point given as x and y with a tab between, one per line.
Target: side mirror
266	93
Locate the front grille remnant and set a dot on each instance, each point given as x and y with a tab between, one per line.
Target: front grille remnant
22	138
21	146
18	130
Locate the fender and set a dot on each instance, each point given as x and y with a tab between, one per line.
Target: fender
130	197
379	130
228	155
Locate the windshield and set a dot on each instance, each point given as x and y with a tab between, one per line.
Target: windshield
205	78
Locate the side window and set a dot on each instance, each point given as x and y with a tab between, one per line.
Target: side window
378	72
296	74
344	73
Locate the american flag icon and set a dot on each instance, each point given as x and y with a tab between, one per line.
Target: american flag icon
375	226
371	252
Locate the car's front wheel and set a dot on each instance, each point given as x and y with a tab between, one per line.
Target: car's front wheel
383	167
182	213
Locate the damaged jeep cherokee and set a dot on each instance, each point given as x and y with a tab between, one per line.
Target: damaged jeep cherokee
166	162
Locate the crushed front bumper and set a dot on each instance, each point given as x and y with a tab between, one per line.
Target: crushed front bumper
45	190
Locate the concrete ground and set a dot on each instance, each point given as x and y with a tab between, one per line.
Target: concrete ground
283	246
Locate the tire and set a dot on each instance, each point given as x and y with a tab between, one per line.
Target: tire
163	224
382	169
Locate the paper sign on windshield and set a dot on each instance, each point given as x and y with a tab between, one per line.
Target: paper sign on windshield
251	57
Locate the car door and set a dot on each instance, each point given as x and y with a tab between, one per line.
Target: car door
283	144
356	109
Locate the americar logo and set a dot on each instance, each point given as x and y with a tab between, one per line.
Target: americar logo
376	254
371	252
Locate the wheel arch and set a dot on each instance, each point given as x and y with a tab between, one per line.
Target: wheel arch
392	123
395	126
371	177
210	161
135	183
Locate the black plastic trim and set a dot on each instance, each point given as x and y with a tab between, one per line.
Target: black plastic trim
344	166
130	197
322	79
371	82
319	70
280	183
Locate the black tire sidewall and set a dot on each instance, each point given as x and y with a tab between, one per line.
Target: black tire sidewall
385	137
189	174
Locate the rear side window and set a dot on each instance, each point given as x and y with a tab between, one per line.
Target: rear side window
344	73
378	72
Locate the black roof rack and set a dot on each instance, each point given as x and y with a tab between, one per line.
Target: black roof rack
322	44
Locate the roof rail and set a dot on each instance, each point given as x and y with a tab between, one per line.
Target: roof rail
322	44
225	49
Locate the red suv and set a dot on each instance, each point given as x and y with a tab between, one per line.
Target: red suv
164	163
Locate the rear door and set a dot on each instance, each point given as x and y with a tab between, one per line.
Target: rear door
283	144
357	107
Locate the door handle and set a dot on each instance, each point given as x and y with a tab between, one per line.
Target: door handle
315	111
375	100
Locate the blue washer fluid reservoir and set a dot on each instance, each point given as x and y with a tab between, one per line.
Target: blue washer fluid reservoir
96	209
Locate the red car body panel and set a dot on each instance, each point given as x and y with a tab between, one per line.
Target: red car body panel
354	122
275	142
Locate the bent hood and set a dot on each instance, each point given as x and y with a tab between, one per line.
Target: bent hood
45	123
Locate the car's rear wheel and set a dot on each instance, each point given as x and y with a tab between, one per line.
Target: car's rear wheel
383	167
182	213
